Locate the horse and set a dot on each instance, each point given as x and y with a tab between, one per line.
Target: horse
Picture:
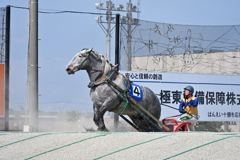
106	97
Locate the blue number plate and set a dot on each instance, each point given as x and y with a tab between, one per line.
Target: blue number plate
136	92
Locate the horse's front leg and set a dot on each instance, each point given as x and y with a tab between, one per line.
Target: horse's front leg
98	118
100	110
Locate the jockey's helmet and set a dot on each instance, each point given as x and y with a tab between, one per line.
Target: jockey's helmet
190	88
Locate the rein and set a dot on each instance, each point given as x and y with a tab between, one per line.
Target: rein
196	117
88	54
92	70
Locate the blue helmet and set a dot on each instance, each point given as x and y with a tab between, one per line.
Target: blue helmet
190	88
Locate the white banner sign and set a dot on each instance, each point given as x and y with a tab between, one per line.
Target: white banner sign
218	95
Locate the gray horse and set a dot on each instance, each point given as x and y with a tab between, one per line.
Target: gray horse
106	97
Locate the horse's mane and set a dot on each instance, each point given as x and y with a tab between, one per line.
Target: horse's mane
99	55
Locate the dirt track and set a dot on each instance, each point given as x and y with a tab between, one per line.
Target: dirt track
119	145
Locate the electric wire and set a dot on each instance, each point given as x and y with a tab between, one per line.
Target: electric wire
60	12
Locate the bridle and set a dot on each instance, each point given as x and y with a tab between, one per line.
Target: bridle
103	78
87	58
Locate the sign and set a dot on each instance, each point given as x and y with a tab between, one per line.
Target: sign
2	90
218	95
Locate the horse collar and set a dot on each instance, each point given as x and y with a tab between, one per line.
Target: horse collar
102	80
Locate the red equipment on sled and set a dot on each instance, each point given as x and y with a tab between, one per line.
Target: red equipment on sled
176	126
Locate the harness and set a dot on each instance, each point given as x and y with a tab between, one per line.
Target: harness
104	79
108	80
122	94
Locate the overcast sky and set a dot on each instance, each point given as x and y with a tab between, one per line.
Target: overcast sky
62	35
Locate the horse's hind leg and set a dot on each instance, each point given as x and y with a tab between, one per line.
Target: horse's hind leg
153	127
141	123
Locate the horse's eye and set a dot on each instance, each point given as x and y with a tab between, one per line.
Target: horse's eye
79	56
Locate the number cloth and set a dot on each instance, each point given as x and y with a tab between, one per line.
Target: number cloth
135	92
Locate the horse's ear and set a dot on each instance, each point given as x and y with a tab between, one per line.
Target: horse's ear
90	50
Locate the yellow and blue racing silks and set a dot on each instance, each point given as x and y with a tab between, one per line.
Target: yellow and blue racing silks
189	106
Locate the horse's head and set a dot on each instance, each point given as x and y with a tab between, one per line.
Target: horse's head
79	61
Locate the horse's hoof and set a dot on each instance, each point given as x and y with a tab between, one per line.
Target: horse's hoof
89	129
102	130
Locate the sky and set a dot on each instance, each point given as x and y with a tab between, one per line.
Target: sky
62	35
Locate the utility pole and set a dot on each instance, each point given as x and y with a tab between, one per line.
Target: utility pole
7	63
108	18
33	65
129	37
109	21
127	20
110	6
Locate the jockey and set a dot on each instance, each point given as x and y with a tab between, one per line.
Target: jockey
189	105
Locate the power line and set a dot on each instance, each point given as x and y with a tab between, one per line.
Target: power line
52	102
60	11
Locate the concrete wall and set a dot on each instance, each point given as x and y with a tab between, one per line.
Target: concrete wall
226	63
233	127
56	124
